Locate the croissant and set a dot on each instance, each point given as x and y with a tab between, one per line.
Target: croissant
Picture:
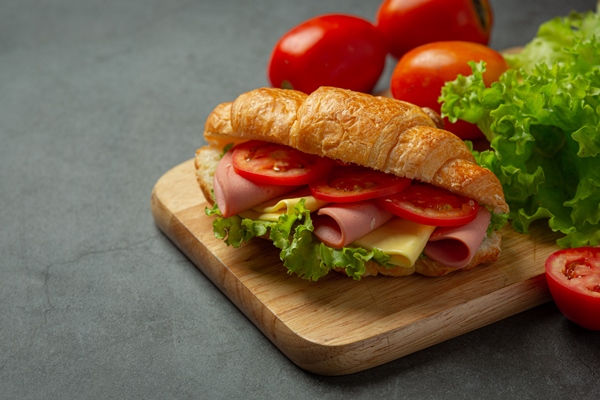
381	133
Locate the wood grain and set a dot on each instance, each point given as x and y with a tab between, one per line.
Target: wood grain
339	326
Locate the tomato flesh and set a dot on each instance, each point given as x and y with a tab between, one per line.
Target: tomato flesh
352	183
275	164
428	205
420	74
573	277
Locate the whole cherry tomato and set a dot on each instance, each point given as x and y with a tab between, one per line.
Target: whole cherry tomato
330	50
573	277
420	74
406	24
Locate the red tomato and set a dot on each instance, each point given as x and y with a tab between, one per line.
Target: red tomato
420	74
573	277
406	24
331	50
349	184
429	205
270	163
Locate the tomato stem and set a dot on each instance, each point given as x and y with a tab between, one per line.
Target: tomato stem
481	11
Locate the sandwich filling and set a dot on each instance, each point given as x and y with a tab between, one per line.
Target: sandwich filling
318	229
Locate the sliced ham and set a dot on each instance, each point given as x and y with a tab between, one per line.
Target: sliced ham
235	194
340	224
456	246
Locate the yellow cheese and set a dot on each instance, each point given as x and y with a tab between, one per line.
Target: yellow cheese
272	209
402	239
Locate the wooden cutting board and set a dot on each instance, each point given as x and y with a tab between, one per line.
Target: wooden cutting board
339	326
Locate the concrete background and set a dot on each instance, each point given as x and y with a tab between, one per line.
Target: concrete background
97	100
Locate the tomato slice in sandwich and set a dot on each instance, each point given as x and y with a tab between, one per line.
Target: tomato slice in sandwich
276	164
429	205
353	183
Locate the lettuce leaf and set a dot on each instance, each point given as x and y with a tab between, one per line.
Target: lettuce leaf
301	252
542	119
554	40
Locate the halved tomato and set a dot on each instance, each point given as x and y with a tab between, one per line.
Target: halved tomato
573	277
276	164
428	205
353	183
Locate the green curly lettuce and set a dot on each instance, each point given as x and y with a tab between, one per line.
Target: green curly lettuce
554	41
542	119
301	252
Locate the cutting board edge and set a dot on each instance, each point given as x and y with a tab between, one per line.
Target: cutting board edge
385	347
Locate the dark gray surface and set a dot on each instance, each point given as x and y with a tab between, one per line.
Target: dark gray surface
97	100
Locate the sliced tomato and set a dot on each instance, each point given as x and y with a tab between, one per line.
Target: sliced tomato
276	164
347	184
428	205
573	277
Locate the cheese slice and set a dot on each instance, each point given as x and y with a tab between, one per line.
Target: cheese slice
401	239
272	209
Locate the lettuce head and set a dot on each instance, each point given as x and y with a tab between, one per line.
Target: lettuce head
542	119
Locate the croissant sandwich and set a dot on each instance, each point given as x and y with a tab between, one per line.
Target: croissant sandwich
346	181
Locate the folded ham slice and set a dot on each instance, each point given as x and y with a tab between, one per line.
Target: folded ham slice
456	246
340	224
235	194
